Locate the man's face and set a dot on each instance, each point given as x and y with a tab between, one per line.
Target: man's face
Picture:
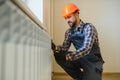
71	20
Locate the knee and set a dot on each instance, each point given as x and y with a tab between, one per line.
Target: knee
59	56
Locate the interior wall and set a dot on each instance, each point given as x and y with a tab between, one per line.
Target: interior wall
104	15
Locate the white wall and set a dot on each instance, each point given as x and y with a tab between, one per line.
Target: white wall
105	15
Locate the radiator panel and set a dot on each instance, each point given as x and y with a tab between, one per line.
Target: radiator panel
24	46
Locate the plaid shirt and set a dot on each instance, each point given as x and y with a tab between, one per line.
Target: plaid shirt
90	38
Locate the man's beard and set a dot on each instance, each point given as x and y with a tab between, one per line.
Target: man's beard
72	24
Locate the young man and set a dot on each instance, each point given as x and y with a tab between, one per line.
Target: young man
86	62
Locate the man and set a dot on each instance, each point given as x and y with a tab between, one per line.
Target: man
86	62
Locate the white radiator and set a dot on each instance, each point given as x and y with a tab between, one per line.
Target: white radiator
24	47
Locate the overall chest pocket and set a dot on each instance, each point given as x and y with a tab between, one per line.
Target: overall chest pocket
77	39
77	36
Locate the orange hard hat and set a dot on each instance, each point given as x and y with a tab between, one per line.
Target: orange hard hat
68	9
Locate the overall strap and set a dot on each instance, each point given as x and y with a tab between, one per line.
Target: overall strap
82	31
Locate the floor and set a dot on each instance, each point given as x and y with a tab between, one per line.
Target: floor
105	77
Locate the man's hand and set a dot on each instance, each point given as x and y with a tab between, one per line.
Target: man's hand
56	49
70	56
60	49
53	46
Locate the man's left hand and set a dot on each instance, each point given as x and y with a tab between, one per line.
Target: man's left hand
69	56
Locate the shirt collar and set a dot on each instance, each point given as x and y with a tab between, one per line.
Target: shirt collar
81	24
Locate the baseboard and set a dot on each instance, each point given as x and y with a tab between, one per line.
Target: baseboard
60	74
65	74
111	73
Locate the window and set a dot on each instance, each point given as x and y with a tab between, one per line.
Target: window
36	6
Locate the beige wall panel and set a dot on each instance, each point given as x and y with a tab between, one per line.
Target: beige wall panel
104	15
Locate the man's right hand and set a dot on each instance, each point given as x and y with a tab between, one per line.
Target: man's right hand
53	46
56	49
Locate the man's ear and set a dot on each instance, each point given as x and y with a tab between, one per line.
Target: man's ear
77	14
